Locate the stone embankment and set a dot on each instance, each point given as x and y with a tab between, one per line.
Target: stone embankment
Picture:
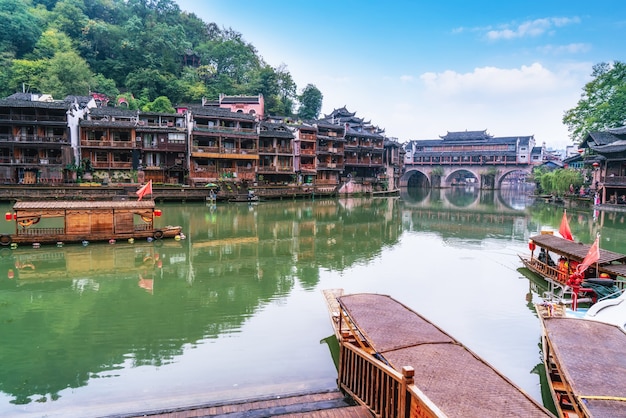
180	193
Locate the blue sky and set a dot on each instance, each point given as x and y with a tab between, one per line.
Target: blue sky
419	69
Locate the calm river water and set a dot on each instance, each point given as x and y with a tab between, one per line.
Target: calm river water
236	310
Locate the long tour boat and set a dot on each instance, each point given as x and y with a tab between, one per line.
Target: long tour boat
49	222
559	262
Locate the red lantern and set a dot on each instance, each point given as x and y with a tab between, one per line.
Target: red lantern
580	150
8	216
531	245
157	212
596	164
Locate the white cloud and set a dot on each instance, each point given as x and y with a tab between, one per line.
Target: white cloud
529	100
491	81
531	28
575	48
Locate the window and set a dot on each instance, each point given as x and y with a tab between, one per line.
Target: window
176	138
121	136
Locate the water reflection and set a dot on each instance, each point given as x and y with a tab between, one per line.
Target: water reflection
77	313
237	291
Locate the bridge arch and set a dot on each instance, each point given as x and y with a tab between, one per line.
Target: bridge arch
422	175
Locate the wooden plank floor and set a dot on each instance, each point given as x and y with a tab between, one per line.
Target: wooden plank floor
316	405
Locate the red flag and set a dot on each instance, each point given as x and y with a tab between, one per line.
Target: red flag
147	284
145	189
564	228
593	255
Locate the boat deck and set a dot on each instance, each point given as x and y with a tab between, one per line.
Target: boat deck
590	357
314	405
455	379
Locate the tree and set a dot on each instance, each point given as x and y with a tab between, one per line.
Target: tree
602	104
26	75
68	17
20	29
66	74
106	86
50	42
310	102
161	104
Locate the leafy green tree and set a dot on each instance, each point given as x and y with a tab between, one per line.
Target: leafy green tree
310	102
558	181
106	86
602	104
26	75
50	42
66	73
6	59
286	90
161	104
20	28
68	16
146	83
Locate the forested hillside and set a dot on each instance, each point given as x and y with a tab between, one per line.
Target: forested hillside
140	49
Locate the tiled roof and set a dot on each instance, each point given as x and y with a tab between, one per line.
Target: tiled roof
220	113
599	138
618	131
108	123
618	146
17	103
113	111
82	101
240	99
275	130
466	135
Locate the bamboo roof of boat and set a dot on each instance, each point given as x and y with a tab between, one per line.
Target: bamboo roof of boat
572	249
454	378
590	358
83	204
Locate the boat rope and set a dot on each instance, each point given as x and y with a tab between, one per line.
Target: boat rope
603	398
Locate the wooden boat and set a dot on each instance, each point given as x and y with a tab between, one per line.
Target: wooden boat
44	222
399	364
605	279
585	364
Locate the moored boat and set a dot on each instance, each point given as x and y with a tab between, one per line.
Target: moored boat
604	278
584	364
46	222
398	363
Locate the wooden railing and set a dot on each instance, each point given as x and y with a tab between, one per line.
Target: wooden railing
40	231
549	271
385	391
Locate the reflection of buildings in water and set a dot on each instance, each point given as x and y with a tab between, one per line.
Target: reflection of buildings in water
464	223
508	199
85	266
282	241
462	196
517	196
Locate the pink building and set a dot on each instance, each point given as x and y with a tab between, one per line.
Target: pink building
250	105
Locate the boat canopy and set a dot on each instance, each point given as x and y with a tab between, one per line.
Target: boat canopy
91	204
575	250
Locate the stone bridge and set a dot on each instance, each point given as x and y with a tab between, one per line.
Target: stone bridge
423	174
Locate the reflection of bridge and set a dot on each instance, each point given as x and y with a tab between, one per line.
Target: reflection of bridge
452	171
507	200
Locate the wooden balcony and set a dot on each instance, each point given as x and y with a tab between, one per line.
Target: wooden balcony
112	165
615	181
108	144
35	139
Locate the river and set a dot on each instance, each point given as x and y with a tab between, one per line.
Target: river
236	309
